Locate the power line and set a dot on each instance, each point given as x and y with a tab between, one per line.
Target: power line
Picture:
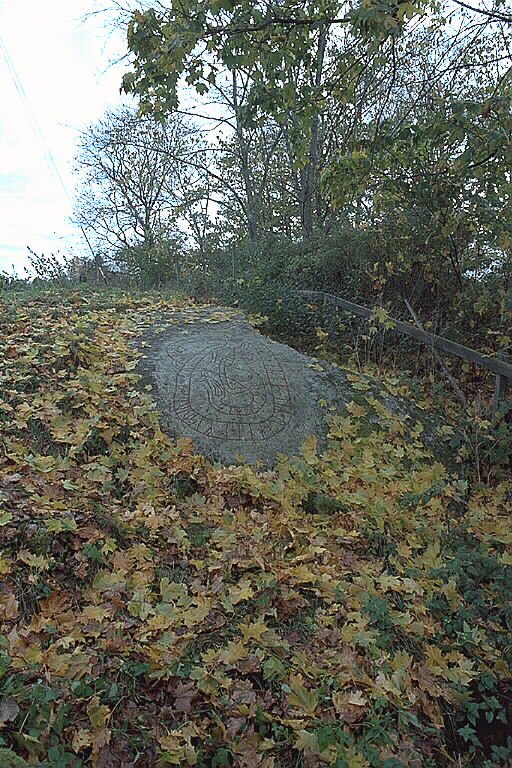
50	160
48	155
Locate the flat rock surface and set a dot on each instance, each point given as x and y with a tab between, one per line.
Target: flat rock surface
237	394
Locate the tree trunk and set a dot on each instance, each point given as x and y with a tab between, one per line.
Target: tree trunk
251	206
309	173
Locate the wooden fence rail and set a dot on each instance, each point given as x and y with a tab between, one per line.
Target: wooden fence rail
501	368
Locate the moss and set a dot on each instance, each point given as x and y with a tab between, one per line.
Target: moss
8	759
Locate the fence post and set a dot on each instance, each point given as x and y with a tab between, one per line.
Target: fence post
501	365
501	386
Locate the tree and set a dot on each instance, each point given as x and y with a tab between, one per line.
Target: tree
372	116
431	161
282	45
132	170
196	38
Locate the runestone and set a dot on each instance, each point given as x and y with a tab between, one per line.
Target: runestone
232	391
241	397
236	394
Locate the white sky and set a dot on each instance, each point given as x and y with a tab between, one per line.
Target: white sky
62	62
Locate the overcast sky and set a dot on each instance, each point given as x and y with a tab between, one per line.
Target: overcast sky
62	62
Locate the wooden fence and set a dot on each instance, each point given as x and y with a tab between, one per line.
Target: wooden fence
501	368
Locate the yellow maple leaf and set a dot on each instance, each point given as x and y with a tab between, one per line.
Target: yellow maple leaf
32	654
306	741
38	562
5	517
60	524
233	652
451	593
387	581
170	741
436	662
97	713
357	699
241	591
58	663
42	464
254	630
404	549
430	558
356	410
302	574
194	616
155	623
354	759
463	673
153	522
81	739
95	612
309	448
301	697
380	314
109	546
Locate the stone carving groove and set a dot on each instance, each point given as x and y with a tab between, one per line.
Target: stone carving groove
231	391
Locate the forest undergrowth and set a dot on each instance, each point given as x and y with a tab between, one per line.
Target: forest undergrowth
349	608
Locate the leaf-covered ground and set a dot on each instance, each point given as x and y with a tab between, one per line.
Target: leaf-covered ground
348	609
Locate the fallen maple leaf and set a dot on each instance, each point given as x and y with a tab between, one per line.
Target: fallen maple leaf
82	738
9	709
184	695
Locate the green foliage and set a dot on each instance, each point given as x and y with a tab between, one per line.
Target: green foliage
441	184
285	312
9	759
486	444
153	264
6	281
480	725
420	185
52	267
267	39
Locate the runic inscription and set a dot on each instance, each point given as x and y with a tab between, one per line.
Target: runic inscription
231	391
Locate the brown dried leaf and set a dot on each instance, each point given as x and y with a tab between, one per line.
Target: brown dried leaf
8	709
184	693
